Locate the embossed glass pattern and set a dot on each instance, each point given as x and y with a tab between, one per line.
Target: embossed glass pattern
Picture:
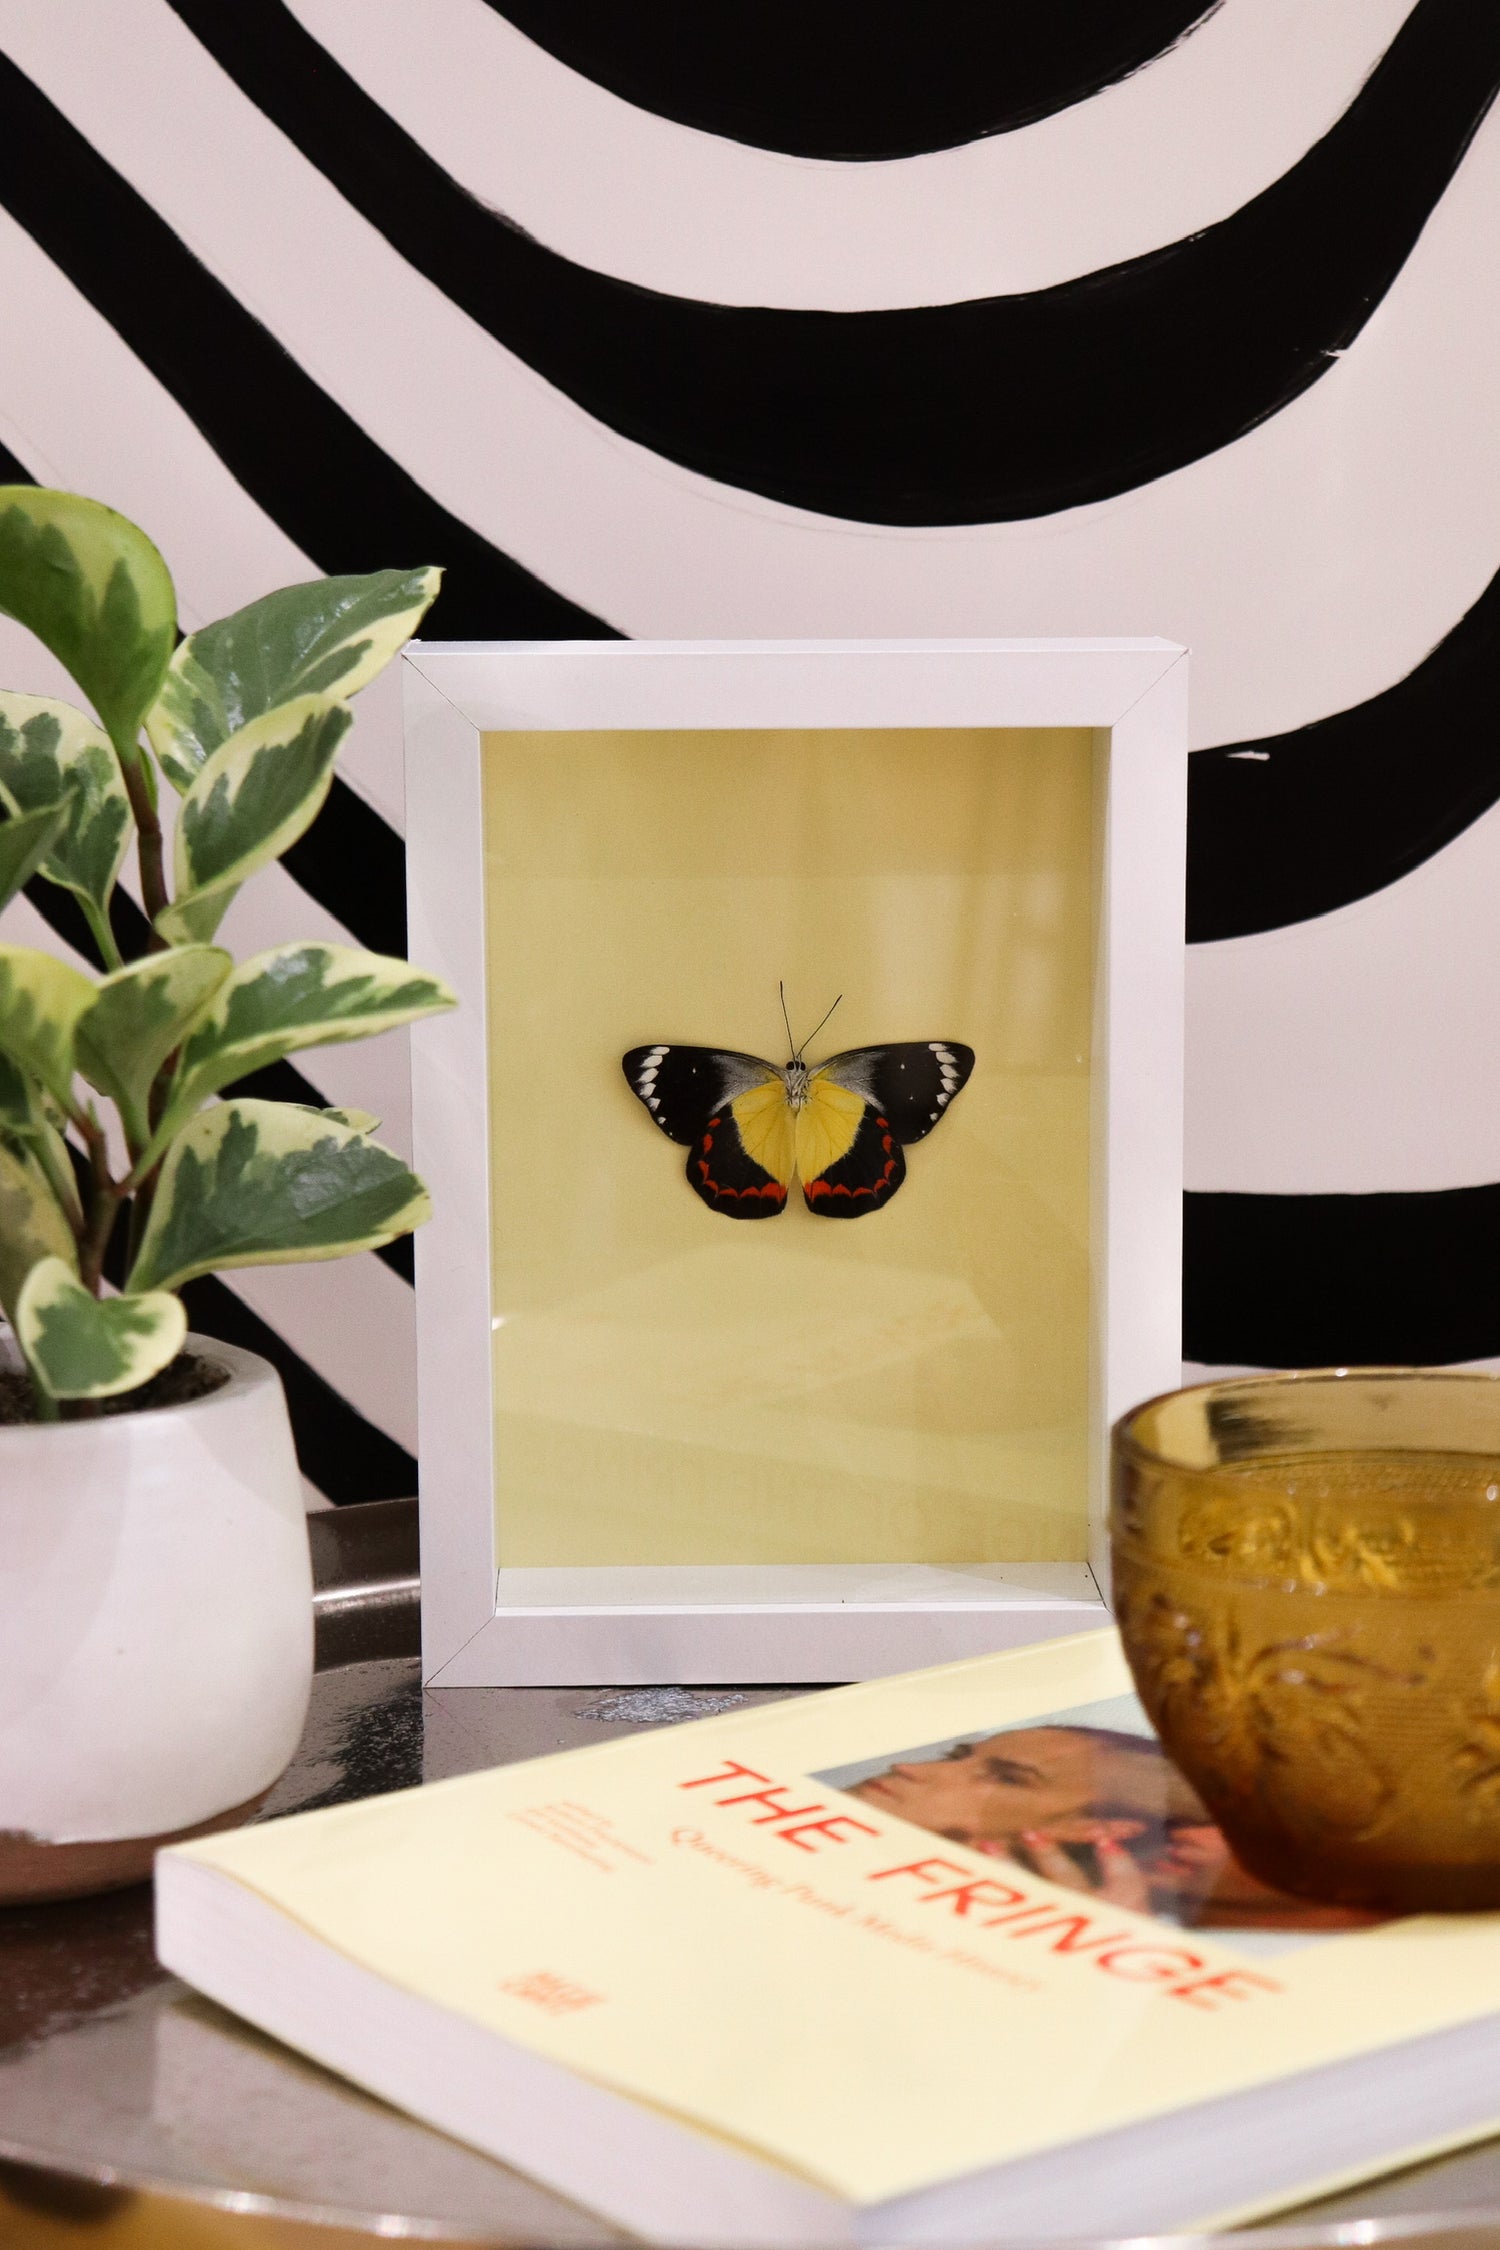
1307	1582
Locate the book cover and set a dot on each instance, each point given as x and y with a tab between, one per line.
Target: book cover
880	1938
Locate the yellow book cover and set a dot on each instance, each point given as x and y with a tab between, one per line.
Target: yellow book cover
914	1960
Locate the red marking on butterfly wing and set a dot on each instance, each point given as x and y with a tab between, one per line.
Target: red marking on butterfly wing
727	1178
866	1176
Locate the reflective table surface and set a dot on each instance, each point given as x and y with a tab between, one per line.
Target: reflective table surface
133	2113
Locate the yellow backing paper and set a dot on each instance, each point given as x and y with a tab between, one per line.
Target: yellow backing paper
673	1387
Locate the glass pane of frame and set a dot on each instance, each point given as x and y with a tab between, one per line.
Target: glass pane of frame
674	1385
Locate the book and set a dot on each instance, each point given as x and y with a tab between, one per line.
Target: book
934	1958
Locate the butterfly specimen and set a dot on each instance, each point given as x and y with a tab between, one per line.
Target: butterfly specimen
839	1127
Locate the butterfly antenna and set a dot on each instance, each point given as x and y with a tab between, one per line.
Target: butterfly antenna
786	1019
812	1035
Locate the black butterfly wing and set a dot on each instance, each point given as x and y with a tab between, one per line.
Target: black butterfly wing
688	1091
683	1086
726	1175
866	1176
910	1083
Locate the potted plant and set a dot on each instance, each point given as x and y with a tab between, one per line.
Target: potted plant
156	1650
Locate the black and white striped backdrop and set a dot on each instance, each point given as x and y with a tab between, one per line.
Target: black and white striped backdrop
848	317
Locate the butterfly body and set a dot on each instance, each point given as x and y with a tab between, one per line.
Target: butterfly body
753	1127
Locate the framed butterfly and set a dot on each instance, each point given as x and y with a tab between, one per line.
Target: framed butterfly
840	1127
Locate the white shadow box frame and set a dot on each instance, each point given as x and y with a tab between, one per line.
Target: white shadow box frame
487	1625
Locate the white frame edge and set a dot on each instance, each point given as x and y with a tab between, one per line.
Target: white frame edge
796	1623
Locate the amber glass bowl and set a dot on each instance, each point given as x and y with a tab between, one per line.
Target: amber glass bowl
1307	1582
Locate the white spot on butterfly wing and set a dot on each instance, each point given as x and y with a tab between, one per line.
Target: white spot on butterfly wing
948	1071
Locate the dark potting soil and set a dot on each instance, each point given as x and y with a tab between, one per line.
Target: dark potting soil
187	1378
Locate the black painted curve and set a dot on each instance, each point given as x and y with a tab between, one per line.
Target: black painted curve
1293	825
989	410
353	863
294	449
1342	1280
332	490
1287	1280
858	80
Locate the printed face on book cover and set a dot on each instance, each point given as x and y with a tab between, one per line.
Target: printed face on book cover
1098	1809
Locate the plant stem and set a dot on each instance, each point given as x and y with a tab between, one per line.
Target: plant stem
103	935
140	1212
148	841
95	1242
61	1181
102	1204
141	1181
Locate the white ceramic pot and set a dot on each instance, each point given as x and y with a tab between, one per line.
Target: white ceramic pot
156	1628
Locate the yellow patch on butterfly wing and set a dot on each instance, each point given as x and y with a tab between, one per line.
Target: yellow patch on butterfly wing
826	1126
764	1118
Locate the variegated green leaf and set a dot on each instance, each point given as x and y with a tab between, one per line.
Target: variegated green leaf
78	1346
32	1226
267	1183
25	840
253	798
357	1120
90	585
299	996
138	1017
52	754
329	637
41	1000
